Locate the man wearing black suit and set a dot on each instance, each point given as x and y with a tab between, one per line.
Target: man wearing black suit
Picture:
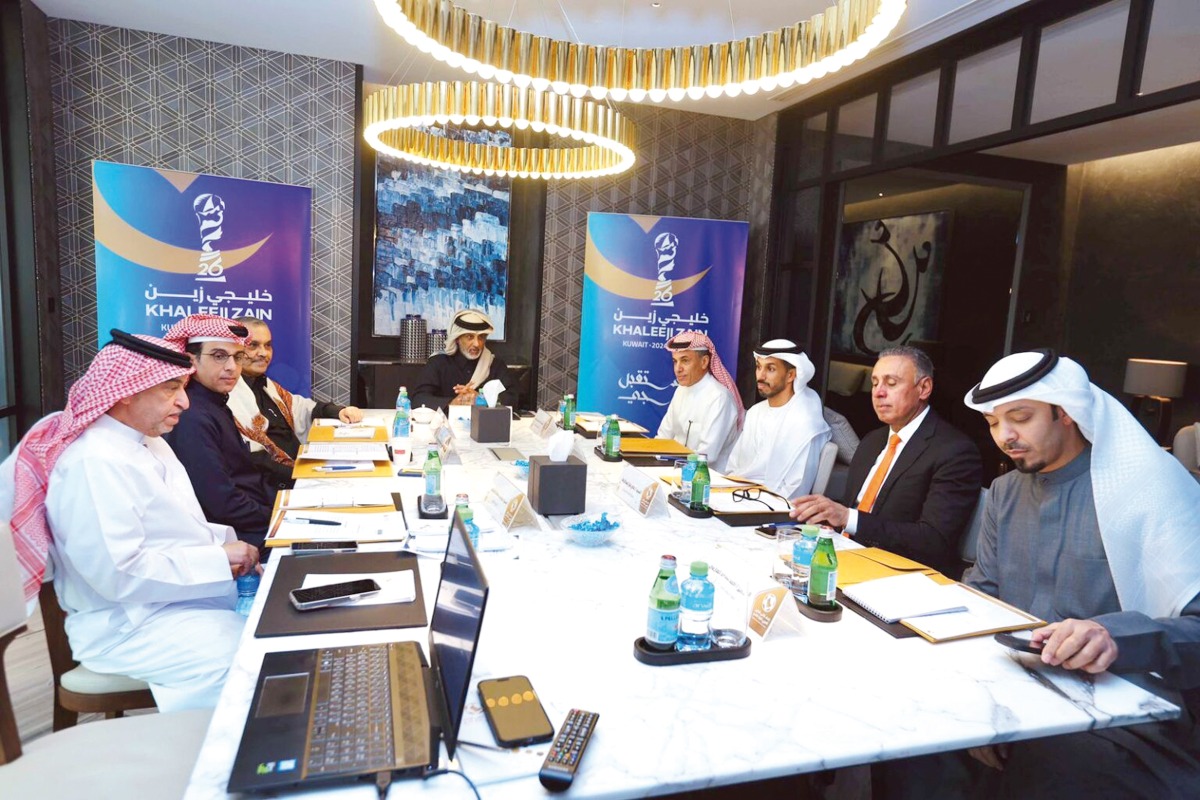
912	485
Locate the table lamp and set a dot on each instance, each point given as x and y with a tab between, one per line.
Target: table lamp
1159	381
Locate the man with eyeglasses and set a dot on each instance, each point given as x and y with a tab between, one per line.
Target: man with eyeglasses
272	420
231	490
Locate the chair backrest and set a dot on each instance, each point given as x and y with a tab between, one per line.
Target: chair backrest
13	614
1185	447
969	547
13	611
829	453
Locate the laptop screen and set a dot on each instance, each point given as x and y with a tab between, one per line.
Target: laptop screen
454	629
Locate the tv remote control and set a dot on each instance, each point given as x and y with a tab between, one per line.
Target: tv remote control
558	770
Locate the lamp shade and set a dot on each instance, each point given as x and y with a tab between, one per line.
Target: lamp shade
1154	378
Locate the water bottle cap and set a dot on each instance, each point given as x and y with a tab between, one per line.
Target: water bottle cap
248	582
699	569
810	530
826	534
667	561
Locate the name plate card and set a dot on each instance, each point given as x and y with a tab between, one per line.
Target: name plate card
769	606
444	438
508	505
543	424
641	492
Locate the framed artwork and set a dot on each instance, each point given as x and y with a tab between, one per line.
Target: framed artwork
888	286
441	241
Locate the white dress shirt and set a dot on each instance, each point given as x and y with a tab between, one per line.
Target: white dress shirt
905	434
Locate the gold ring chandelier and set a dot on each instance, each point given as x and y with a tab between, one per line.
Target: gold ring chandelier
598	140
842	34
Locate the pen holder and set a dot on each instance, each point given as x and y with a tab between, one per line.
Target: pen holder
491	424
557	487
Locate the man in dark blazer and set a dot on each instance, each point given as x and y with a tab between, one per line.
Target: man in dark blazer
912	485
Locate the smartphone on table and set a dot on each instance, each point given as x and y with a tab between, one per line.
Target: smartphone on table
514	712
333	594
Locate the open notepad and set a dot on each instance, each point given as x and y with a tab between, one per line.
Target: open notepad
937	612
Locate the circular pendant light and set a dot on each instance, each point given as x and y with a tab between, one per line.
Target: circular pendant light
844	33
593	139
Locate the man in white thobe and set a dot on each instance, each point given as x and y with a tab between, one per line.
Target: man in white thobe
146	582
706	410
781	441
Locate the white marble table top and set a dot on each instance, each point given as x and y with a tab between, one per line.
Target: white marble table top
812	696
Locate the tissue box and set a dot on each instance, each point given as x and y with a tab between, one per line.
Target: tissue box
490	424
557	487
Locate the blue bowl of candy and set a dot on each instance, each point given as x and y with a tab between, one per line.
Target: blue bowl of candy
522	466
591	530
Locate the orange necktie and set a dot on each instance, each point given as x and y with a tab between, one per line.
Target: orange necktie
868	499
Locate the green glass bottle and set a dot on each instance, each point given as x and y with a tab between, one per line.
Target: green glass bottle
612	436
822	574
432	470
701	483
662	624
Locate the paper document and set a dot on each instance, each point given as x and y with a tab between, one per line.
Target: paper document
904	597
394	587
746	501
344	451
301	525
984	615
354	432
335	497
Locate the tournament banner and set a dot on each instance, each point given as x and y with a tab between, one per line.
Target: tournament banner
645	279
170	244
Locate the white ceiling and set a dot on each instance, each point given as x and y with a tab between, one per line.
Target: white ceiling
351	30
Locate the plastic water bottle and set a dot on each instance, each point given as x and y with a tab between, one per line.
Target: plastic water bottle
562	412
432	470
462	506
688	472
662	621
401	423
822	576
701	485
802	554
612	436
247	587
696	609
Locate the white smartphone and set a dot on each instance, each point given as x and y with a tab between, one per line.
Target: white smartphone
333	594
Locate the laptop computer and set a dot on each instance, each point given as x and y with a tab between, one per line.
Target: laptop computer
342	712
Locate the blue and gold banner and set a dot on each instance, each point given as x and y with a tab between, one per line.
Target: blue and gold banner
170	244
645	279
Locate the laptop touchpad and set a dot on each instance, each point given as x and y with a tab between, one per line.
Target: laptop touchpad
283	695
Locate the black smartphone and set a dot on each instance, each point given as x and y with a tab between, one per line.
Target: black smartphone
514	712
306	548
1019	641
767	531
333	594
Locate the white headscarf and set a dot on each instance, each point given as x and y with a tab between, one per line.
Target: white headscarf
471	321
1147	505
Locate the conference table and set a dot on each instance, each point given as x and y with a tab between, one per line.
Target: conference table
810	696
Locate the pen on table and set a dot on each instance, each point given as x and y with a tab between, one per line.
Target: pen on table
340	468
954	610
312	521
777	525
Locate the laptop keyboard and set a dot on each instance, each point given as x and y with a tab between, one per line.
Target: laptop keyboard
355	727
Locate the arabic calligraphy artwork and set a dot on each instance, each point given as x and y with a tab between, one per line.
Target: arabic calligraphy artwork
889	282
441	242
645	279
170	244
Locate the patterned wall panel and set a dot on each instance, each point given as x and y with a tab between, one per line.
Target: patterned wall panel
172	103
689	165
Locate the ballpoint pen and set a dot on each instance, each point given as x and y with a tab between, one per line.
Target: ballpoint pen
341	468
311	521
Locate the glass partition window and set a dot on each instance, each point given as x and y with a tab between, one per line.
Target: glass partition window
812	147
855	134
1079	62
984	88
1172	54
912	115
